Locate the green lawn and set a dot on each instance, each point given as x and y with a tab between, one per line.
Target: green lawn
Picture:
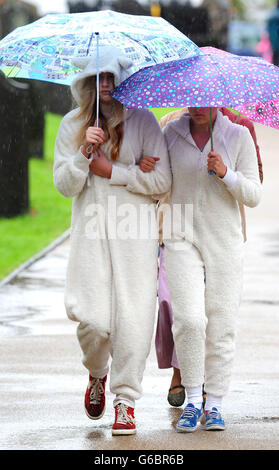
49	215
160	112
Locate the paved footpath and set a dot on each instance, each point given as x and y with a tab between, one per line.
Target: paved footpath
42	381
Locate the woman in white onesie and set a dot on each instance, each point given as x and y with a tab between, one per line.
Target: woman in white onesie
112	270
204	258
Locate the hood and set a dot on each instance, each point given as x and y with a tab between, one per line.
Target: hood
182	125
111	59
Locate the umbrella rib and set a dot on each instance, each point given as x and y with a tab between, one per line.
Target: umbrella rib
25	52
89	44
221	75
138	42
42	40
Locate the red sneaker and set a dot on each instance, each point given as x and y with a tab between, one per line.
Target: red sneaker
124	420
95	400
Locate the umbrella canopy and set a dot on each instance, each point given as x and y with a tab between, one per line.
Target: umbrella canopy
44	49
212	79
265	113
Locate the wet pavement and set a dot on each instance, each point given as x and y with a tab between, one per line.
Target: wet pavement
42	381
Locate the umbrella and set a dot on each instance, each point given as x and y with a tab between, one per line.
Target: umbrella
265	112
212	79
44	49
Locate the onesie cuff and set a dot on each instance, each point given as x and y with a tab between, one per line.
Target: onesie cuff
230	178
81	162
119	175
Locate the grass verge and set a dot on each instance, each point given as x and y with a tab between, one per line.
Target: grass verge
49	215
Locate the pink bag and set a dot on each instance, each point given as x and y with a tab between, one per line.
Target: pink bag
165	349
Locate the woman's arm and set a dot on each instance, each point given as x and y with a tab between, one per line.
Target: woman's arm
147	163
157	181
244	183
71	167
101	166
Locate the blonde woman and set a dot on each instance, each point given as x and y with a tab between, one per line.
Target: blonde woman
112	269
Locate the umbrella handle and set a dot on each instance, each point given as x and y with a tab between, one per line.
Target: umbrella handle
211	172
89	149
97	81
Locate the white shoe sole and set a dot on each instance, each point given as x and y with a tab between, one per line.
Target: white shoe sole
214	427
123	432
184	429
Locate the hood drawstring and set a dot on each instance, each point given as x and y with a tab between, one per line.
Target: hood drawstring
225	144
214	183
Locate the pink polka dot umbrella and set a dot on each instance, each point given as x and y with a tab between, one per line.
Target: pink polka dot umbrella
215	78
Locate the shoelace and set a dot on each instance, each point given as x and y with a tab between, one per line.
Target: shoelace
123	416
96	391
213	414
189	413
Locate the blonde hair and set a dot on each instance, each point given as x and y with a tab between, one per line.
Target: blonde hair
112	127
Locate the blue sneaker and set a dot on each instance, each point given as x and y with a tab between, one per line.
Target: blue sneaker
214	421
188	421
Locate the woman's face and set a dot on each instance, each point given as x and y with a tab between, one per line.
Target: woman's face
202	115
106	85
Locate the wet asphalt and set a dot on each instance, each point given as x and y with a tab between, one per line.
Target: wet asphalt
42	380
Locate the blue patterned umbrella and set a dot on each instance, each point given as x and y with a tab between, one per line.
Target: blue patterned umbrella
44	50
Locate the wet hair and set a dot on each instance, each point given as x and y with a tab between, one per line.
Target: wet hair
112	127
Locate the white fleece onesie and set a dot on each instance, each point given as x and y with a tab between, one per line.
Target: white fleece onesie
111	282
204	263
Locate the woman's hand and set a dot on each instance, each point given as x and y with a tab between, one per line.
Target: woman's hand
100	165
215	163
147	164
94	136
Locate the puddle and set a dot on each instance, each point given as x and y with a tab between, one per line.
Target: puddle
25	282
261	302
271	253
265	419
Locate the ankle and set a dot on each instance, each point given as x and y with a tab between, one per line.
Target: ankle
176	377
212	401
194	396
